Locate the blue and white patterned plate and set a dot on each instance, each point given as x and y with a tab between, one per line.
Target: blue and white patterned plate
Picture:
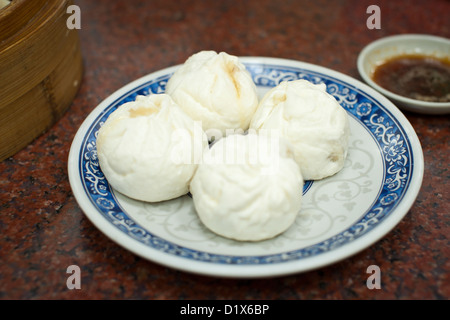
341	215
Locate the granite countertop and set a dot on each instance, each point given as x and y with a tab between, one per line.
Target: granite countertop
43	230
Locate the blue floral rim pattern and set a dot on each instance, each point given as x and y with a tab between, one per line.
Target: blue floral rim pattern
384	128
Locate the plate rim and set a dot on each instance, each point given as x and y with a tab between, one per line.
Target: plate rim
249	271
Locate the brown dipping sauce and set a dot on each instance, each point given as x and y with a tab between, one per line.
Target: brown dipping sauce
416	76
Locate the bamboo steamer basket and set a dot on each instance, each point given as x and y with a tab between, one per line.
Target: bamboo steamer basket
40	70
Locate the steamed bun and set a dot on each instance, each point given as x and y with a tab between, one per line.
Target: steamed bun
216	89
248	187
312	121
149	149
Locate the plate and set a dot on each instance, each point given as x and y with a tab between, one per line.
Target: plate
341	215
382	49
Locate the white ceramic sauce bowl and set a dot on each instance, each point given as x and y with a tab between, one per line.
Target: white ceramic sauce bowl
382	49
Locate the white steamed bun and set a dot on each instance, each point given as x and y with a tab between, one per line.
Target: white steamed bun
149	149
312	121
216	89
248	187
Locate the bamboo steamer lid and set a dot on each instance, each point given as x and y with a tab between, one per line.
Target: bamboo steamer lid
40	70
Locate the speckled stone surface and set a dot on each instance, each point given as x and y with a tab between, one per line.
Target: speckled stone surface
43	231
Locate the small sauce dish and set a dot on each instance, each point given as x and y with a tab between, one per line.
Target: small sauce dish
425	51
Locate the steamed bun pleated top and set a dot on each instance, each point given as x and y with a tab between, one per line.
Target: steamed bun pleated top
216	89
